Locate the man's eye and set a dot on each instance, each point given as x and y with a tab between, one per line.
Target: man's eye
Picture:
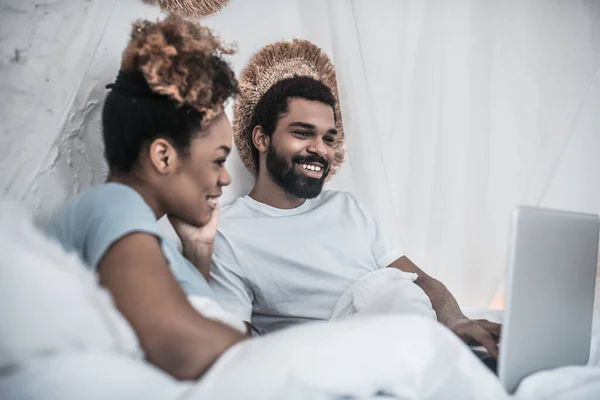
302	133
329	139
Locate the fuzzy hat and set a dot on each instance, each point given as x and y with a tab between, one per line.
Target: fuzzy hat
273	63
190	8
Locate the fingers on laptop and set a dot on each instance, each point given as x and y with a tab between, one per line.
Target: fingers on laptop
492	327
484	338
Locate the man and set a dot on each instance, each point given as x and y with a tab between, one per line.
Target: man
286	253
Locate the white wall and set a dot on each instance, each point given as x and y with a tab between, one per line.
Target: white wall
45	51
68	50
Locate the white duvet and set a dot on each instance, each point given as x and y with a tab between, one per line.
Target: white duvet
62	338
392	291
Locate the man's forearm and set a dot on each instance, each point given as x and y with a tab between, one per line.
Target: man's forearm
442	301
447	309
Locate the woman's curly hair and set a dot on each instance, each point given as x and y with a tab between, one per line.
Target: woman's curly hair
182	60
173	82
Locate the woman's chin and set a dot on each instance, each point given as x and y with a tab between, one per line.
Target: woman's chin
204	218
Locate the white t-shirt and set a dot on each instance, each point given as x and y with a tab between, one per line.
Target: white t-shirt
277	267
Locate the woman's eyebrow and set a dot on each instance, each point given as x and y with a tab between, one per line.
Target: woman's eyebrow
226	149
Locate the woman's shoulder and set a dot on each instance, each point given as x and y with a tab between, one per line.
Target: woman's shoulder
99	216
110	193
106	200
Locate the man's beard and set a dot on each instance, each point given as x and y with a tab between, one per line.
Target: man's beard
297	184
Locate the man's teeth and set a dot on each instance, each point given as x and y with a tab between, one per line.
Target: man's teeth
309	167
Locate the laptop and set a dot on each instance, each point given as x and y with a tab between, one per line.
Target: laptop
552	264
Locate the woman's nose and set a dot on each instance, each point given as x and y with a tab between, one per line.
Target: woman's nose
224	178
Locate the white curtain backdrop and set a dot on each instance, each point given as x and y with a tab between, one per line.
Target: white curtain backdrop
456	111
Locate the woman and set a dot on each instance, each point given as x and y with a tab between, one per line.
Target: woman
166	140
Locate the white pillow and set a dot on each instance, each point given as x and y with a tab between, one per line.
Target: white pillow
49	301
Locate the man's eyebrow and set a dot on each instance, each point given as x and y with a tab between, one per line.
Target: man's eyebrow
304	125
311	127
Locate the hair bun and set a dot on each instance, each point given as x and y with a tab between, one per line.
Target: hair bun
181	60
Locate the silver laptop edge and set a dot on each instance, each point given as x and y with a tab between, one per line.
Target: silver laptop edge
552	263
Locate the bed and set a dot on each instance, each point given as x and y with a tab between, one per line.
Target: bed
62	338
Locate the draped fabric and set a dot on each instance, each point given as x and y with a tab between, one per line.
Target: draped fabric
457	111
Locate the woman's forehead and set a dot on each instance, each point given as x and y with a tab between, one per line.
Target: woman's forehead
218	136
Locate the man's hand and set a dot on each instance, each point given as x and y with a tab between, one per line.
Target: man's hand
448	312
482	331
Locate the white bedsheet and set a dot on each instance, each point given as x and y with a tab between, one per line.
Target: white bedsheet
391	291
405	357
351	358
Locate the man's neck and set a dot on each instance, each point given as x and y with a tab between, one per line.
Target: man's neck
270	193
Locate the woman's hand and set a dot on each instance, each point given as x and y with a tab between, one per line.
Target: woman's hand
197	242
194	235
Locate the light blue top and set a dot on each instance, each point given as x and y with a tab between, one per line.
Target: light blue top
101	215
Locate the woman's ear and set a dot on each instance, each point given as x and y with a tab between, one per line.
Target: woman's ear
260	139
163	156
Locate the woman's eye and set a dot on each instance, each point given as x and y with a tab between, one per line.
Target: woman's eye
220	162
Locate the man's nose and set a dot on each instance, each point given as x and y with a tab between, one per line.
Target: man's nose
318	147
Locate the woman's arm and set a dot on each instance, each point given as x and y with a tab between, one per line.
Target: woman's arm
174	336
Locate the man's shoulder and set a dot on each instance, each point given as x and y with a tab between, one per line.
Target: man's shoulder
327	195
338	199
346	203
235	210
236	217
